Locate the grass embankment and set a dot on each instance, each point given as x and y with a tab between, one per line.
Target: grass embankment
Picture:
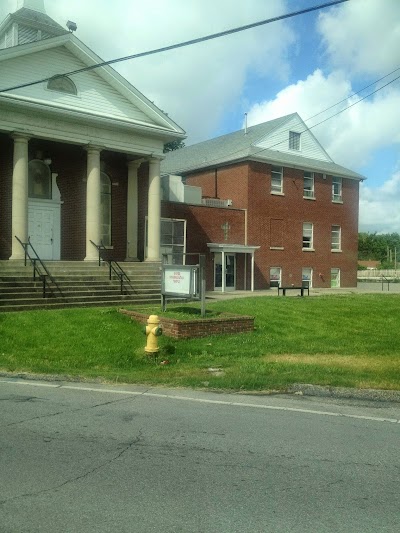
351	341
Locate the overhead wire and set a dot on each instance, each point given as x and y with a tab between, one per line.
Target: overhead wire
218	35
178	45
319	113
345	108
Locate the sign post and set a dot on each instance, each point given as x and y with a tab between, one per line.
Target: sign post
184	281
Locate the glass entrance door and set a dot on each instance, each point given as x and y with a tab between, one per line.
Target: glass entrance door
228	273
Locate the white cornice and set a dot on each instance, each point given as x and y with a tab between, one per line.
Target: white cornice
25	104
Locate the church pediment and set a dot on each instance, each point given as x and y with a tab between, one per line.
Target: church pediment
101	91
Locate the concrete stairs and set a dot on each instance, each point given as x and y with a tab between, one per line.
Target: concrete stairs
78	284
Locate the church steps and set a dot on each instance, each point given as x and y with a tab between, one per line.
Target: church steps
81	285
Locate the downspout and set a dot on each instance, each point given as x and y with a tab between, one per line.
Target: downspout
245	255
216	183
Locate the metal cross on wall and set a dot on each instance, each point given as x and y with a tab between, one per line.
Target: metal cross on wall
225	228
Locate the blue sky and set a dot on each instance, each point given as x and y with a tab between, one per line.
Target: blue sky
302	64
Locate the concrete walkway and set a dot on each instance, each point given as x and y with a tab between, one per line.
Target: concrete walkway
362	288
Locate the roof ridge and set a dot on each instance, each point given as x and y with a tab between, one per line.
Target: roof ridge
252	129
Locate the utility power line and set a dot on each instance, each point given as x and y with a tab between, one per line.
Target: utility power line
179	45
357	92
323	111
345	108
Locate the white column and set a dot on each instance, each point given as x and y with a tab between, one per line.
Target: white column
252	271
132	210
154	211
93	214
19	224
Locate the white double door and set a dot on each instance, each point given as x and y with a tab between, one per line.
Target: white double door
44	228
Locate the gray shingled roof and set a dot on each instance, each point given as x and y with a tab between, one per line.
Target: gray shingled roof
238	146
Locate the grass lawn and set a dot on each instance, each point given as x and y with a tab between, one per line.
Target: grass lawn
351	341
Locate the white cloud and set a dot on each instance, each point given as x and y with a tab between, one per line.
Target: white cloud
362	36
350	137
379	209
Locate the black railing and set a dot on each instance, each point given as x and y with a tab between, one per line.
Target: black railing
40	271
114	268
384	279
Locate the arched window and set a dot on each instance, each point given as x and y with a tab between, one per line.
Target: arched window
39	180
62	84
105	202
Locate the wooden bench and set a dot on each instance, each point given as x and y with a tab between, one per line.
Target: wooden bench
292	288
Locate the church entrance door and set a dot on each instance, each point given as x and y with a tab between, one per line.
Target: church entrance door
44	228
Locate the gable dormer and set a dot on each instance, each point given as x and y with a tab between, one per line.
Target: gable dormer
294	138
29	24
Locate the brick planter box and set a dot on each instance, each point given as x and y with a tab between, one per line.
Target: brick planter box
226	324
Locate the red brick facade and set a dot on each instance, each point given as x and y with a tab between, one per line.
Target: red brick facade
204	225
275	222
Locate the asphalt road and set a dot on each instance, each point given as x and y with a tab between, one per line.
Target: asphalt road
98	458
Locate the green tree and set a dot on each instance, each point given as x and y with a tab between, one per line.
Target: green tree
379	247
173	145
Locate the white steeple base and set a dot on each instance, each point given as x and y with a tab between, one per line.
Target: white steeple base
36	5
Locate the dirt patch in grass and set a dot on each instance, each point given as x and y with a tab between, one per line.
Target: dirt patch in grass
344	361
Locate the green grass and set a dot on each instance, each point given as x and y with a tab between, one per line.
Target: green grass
351	341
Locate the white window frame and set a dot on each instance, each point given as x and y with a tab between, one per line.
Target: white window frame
335	277
308	191
294	141
308	233
275	276
276	180
167	248
336	238
307	277
337	189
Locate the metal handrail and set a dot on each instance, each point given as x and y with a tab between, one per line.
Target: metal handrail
388	281
36	270
113	267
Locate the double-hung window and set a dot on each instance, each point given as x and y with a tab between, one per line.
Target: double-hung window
308	185
336	238
336	189
294	140
276	180
307	236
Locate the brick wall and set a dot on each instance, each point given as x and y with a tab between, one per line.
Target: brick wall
204	226
277	221
200	327
70	163
6	170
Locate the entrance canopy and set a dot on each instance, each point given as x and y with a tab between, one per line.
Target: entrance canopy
224	248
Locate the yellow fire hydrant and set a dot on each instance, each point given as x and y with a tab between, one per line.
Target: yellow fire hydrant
153	330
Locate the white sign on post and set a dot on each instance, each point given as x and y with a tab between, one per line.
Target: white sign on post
178	280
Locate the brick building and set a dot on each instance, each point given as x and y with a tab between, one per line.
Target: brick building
79	153
284	213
